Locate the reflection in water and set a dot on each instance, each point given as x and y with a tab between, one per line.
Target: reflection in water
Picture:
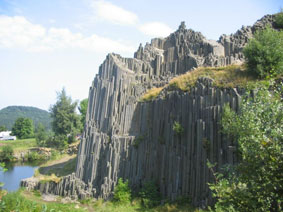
16	171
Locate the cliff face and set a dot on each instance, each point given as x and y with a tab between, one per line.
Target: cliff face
129	139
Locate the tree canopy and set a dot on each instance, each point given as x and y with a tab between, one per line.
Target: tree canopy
65	121
264	53
23	128
83	110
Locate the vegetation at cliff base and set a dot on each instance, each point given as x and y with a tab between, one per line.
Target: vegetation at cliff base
256	183
83	110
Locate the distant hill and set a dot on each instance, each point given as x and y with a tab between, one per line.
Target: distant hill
9	114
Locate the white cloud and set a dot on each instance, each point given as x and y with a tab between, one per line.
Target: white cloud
155	29
17	32
114	14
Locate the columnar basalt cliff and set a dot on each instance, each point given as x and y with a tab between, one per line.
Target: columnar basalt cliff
134	140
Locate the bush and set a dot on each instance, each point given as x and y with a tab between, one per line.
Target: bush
7	153
32	156
150	195
256	183
122	192
264	53
178	129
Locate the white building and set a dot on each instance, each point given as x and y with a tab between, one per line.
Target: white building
6	135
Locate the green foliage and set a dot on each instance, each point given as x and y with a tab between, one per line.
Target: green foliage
178	129
3	128
264	53
137	141
32	156
279	20
9	115
14	201
83	110
7	153
256	183
40	135
150	195
19	145
122	192
65	121
57	141
23	128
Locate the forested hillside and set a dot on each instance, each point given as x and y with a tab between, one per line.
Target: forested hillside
9	114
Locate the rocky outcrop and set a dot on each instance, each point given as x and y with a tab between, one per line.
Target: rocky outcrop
126	138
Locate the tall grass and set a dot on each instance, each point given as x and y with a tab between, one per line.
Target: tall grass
19	145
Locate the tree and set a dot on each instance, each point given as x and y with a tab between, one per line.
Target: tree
256	183
3	128
279	20
23	128
66	122
264	53
40	135
83	110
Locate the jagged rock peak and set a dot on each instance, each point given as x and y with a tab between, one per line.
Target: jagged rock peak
182	26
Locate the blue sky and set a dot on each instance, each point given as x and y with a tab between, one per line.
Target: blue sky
46	45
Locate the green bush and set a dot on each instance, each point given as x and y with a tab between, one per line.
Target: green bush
122	192
264	53
7	153
256	183
32	156
23	128
178	129
150	195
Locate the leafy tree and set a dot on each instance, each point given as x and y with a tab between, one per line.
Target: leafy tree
23	128
40	135
264	53
3	128
66	122
256	183
83	110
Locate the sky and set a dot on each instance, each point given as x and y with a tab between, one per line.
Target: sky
47	45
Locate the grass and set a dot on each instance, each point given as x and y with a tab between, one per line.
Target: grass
224	77
26	201
19	201
19	145
151	94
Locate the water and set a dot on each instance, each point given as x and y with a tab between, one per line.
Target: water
15	173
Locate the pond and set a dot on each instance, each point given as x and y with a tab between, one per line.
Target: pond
15	173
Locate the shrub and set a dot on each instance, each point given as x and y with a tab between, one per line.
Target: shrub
122	192
256	183
264	53
40	135
178	129
32	156
150	195
7	153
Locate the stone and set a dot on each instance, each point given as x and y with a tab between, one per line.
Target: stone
126	138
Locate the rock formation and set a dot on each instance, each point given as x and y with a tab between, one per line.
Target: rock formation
134	140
